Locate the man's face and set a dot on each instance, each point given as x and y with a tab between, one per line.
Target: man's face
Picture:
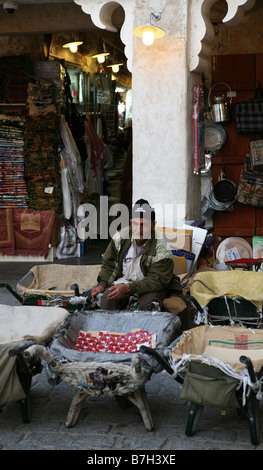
141	228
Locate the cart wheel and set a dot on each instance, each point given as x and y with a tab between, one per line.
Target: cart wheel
194	416
25	407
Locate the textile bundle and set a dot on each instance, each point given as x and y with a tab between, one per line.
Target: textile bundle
42	160
7	243
13	188
53	71
41	97
25	231
42	143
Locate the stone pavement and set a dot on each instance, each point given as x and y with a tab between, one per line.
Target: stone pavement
104	427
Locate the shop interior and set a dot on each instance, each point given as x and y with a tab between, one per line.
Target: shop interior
229	205
65	123
70	114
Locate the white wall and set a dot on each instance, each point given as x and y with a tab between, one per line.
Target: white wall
162	126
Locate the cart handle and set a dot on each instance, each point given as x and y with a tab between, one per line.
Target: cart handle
156	355
75	287
247	361
15	294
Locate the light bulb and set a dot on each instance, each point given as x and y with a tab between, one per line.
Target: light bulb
73	47
115	68
101	59
148	36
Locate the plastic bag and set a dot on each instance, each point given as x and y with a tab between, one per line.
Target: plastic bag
68	246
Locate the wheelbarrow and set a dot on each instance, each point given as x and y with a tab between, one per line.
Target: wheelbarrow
228	297
56	285
217	366
20	327
100	363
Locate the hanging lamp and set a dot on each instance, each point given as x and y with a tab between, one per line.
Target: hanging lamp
100	57
149	32
115	67
73	46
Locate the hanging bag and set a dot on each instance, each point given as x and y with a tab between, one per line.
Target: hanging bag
256	154
249	114
250	187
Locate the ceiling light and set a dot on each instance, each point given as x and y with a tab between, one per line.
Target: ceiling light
149	32
115	67
100	56
73	46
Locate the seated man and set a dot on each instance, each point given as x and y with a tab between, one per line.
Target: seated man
137	261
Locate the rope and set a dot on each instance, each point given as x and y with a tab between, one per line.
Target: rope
243	378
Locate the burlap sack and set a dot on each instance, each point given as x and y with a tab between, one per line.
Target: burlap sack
224	343
174	304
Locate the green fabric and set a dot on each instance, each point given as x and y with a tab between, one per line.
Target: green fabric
156	264
10	386
207	385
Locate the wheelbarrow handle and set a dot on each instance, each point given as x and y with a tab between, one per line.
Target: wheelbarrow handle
247	361
42	353
75	287
156	355
14	293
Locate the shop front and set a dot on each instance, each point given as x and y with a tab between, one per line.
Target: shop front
162	89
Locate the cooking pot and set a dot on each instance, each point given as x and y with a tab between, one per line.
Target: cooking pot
215	137
221	107
225	190
217	205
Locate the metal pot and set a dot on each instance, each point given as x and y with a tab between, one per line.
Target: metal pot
225	190
221	107
217	205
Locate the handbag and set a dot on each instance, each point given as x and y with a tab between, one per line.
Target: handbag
256	154
249	114
250	187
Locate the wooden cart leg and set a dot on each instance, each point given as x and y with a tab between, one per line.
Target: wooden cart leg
75	408
139	399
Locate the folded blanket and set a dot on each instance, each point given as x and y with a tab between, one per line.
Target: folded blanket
211	284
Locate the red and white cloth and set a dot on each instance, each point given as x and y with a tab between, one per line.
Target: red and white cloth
116	343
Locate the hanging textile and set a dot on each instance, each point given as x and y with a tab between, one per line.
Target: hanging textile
94	162
42	144
198	128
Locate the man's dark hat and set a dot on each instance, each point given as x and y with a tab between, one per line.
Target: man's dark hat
142	209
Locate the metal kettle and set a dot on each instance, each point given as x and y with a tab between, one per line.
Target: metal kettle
221	107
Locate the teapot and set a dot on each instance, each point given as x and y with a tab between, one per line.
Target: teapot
220	107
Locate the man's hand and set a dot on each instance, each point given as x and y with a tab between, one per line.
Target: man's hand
118	291
95	291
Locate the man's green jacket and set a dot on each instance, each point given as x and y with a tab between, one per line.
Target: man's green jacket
156	265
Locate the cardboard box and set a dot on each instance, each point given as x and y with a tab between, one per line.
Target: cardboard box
257	243
198	239
182	261
177	237
179	265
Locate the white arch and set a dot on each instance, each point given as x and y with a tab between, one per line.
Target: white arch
101	13
200	30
